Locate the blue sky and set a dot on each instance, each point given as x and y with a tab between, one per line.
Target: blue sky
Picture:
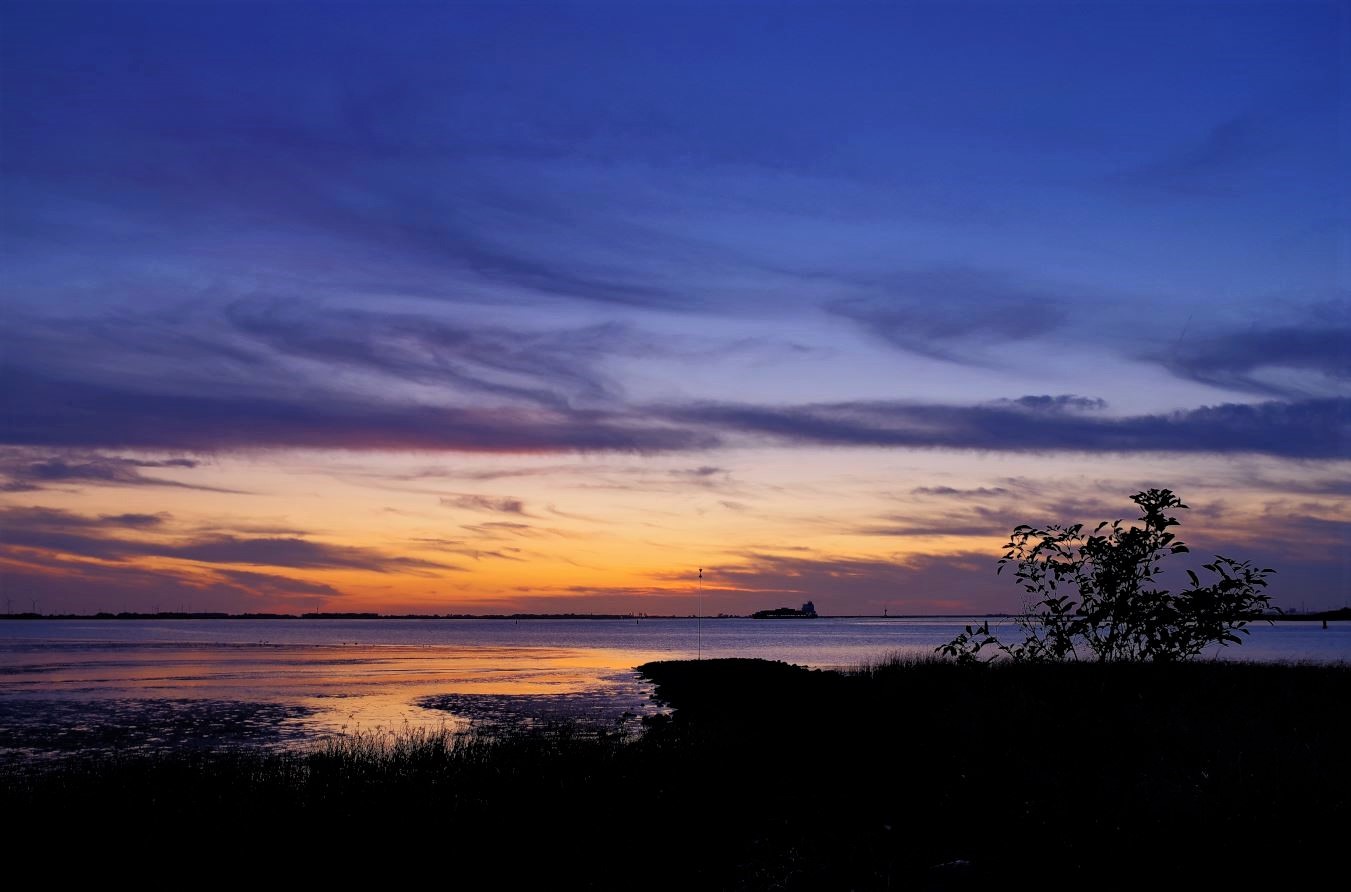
250	236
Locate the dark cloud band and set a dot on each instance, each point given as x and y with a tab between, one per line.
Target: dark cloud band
1311	429
54	413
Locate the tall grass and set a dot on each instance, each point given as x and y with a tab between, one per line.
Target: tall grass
772	776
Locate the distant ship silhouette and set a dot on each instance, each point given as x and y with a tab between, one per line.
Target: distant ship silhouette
806	611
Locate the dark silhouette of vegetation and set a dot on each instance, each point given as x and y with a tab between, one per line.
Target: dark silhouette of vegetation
1098	595
902	774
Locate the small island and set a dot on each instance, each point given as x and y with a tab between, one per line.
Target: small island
806	611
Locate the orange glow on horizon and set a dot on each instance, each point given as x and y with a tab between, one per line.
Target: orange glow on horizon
473	534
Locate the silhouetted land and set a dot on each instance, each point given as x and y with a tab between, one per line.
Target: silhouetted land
769	776
780	612
1339	614
1343	613
164	614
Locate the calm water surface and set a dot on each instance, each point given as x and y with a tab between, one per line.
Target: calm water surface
69	685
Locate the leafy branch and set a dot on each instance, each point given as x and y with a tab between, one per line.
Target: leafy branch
1098	595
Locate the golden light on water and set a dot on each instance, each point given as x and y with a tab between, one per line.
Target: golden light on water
348	686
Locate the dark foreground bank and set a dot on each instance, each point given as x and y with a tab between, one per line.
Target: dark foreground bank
768	776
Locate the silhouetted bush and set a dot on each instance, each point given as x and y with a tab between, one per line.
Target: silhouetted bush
1098	595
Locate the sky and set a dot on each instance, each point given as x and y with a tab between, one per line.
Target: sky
543	306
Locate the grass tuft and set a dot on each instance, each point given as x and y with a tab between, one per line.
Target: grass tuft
903	771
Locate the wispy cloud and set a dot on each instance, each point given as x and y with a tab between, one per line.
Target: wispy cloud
27	470
916	584
295	553
462	547
53	412
1312	429
549	367
54	583
1317	486
702	475
502	529
974	521
979	492
56	530
1065	402
136	521
943	313
490	504
1311	358
272	585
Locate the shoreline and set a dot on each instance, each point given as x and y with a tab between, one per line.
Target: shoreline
1342	614
766	772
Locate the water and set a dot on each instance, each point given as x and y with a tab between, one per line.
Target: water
116	685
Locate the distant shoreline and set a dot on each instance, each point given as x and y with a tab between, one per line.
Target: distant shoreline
515	616
1343	613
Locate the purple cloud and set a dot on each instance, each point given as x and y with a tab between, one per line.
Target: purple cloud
1320	354
55	530
1313	429
59	413
27	470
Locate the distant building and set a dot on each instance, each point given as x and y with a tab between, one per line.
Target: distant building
807	611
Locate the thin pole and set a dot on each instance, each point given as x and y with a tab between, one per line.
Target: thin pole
698	618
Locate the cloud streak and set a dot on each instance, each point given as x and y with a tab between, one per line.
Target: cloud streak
461	547
979	492
55	584
977	521
59	413
1312	429
917	584
24	470
551	367
55	413
294	553
55	530
489	504
1263	361
942	313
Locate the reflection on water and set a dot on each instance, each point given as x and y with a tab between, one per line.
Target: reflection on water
52	690
139	684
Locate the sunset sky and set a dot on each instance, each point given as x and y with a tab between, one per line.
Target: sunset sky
543	306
